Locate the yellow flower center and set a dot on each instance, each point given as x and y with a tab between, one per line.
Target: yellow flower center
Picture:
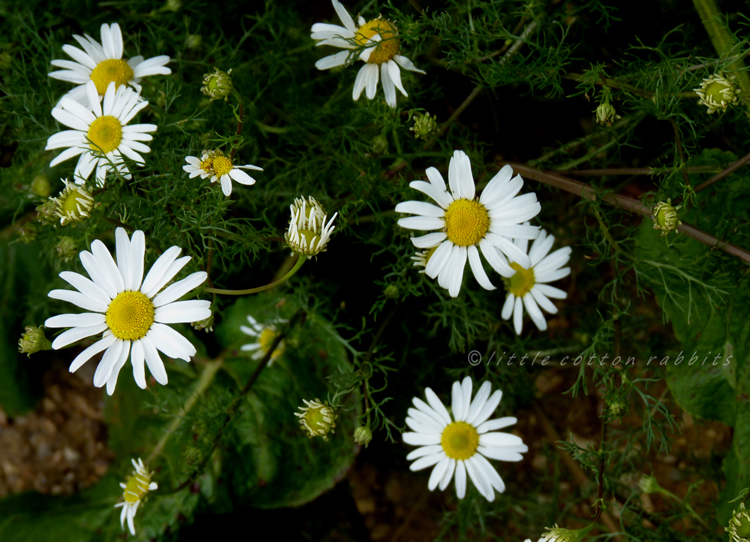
316	420
522	282
130	316
460	440
222	165
266	340
71	202
111	70
207	164
714	91
466	222
105	133
389	45
136	487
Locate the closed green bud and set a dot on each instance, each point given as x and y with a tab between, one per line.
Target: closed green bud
40	186
425	126
33	341
665	217
66	248
27	233
46	213
217	85
606	114
362	436
558	534
206	325
379	144
739	525
648	484
391	291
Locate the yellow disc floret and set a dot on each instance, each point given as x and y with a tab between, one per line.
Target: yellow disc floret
522	282
460	440
466	222
387	47
111	70
266	340
105	134
136	487
222	165
207	165
130	316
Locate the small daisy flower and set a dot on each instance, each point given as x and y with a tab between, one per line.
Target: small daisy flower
316	418
461	443
219	167
381	53
103	64
73	204
135	489
468	225
309	232
101	131
528	287
264	335
718	92
129	310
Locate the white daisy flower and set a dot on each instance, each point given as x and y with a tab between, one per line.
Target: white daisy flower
462	443
528	287
219	167
467	225
264	335
308	232
101	136
380	39
103	64
129	310
136	487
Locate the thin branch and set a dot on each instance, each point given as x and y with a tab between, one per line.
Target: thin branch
728	171
680	151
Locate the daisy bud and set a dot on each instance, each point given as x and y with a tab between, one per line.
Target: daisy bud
193	41
648	484
67	249
379	144
718	92
425	126
558	534
217	85
391	291
27	233
665	216
316	418
73	204
33	341
308	232
40	186
606	114
739	525
206	325
46	213
362	436
135	488
172	5
618	408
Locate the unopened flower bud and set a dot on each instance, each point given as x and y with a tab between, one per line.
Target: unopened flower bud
317	418
739	525
362	436
665	216
558	534
206	325
40	186
46	213
391	291
718	92
27	232
33	341
67	249
425	126
217	85
379	144
606	114
648	484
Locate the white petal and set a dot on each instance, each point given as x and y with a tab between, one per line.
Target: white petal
428	421
181	312
499	439
241	177
160	267
420	439
457	272
423	451
105	342
536	315
107	266
480	482
389	89
498	187
460	479
494	425
109	359
549	291
359	82
420	208
86	319
395	76
439	259
542	301
457	400
438	472
154	362
442	197
500	453
371	82
76	334
406	64
508	306
67	154
112	380
488	472
421	223
437	405
496	259
478	269
226	185
79	56
466	387
430	240
86	287
427	461
78	299
488	409
448	475
429	411
328	62
175	291
169	341
518	316
479	401
346	19
138	355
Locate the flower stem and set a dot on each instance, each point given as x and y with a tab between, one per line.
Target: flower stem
301	258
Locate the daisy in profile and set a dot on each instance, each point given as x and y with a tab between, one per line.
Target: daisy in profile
308	232
263	335
466	225
136	487
379	38
220	168
529	287
103	64
461	443
132	312
100	133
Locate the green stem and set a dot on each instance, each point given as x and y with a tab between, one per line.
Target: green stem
209	371
721	39
300	260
